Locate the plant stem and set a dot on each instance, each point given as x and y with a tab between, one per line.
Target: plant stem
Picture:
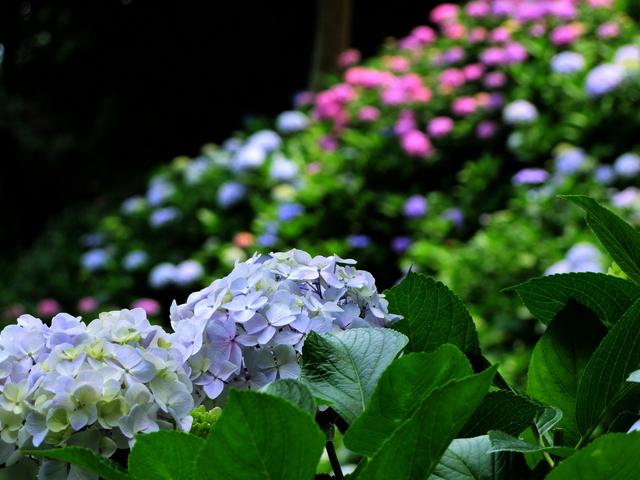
333	458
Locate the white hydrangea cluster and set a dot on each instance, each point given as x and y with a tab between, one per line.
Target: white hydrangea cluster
118	375
247	329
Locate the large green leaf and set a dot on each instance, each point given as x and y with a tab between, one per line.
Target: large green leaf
343	369
609	297
400	391
502	410
620	239
605	376
260	436
611	457
165	455
560	357
85	459
466	459
433	315
294	391
416	446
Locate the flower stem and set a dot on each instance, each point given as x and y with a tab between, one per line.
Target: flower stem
333	458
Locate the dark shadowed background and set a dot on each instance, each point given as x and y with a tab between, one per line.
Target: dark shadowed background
93	94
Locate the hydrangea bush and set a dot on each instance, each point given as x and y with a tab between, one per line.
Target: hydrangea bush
417	400
424	156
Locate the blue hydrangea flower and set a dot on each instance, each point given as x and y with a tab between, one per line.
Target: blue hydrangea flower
416	206
520	112
570	160
603	79
627	165
133	204
162	275
604	174
230	193
359	241
163	216
266	140
248	328
289	211
528	176
282	169
567	63
159	191
187	272
400	244
626	198
95	259
455	215
291	122
134	260
582	257
267	240
92	240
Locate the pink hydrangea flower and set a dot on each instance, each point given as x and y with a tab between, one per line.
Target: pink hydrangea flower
473	71
149	305
444	12
454	31
398	64
477	35
566	34
328	143
451	78
349	57
463	106
500	35
48	307
440	126
368	114
608	30
87	304
416	144
478	9
495	80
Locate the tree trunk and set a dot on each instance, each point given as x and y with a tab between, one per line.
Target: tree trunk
333	35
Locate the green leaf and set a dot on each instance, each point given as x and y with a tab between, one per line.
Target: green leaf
400	391
612	457
416	446
343	369
605	376
433	315
294	391
547	419
260	436
503	442
620	239
558	360
608	297
85	459
167	455
466	459
502	410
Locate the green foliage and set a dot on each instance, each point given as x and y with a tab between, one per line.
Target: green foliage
342	370
165	456
294	391
433	315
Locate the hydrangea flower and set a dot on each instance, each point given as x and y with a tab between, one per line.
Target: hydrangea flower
604	79
187	272
230	193
604	174
567	62
94	259
289	211
162	275
570	160
627	165
520	112
359	241
248	328
134	260
416	206
118	376
528	176
291	122
582	257
159	190
283	169
163	216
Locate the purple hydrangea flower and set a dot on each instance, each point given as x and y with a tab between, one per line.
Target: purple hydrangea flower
567	62
603	79
400	244
455	215
416	206
359	241
626	198
528	176
519	112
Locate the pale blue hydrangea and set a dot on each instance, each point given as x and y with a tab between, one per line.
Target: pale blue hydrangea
567	63
162	216
159	190
570	160
291	122
196	169
95	259
289	211
133	204
232	145
626	198
117	376
519	112
248	328
230	193
134	260
628	57
188	272
627	165
282	169
249	156
266	140
162	275
604	174
604	79
582	257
